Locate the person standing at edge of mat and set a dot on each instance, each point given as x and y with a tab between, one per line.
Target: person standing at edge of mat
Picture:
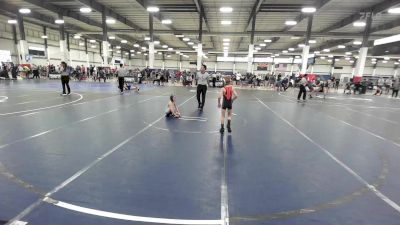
228	94
303	83
65	73
202	83
122	72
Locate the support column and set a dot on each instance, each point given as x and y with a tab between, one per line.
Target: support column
292	65
151	44
180	63
396	70
251	46
333	65
306	49
105	44
69	50
374	68
364	48
14	28
46	46
87	53
163	61
200	45
23	44
354	68
63	43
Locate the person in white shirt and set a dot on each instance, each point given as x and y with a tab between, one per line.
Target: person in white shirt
122	72
202	83
238	78
303	91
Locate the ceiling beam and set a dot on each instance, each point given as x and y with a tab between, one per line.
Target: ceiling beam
200	8
386	26
378	8
331	44
110	12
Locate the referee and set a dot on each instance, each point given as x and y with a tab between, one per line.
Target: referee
202	83
122	72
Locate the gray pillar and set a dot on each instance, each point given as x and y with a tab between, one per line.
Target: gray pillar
46	46
21	27
63	43
15	38
200	45
23	44
105	54
251	46
362	57
306	48
151	44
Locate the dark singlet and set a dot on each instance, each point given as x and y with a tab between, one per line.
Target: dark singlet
227	104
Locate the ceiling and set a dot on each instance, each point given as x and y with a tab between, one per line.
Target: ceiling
333	21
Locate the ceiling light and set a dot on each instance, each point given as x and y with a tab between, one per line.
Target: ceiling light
297	57
330	60
257	48
165	46
351	61
136	45
83	44
373	59
147	38
92	41
226	48
312	41
347	58
132	55
267	40
295	38
178	52
225	9
290	22
126	53
356	57
110	21
359	24
144	48
24	11
337	60
322	57
170	49
308	10
291	49
195	47
263	44
186	39
255	51
12	21
85	10
139	53
277	54
285	51
124	41
77	36
330	56
373	62
317	52
160	53
166	21
145	54
357	43
385	61
168	56
156	42
111	37
326	50
349	53
44	36
152	9
59	21
93	46
386	58
179	35
341	46
396	63
118	47
132	50
226	44
394	10
226	22
190	43
301	45
227	40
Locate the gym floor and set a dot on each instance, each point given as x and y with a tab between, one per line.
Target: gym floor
100	158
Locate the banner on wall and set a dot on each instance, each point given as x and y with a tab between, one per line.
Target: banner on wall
5	56
262	66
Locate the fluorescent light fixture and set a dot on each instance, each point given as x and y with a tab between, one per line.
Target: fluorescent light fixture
255	51
36	48
309	10
186	39
337	59
153	9
386	58
93	46
301	45
77	36
144	48
330	56
195	47
226	22
179	35
168	56
387	40
139	53
118	47
285	51
226	9
357	43
227	40
385	61
85	10
341	46
124	41
351	61
267	40
44	36
295	38
347	58
181	53
359	24
132	50
170	49
165	46
12	21
166	21
190	43
24	11
160	53
111	37
277	54
396	63
326	50
92	41
322	57
132	55
297	57
312	41
373	62
226	48
330	60
145	54
290	22
126	53
178	52
59	21
147	38
263	44
110	21
374	59
257	48
156	42
317	52
83	44
136	45
394	10
349	53
291	49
